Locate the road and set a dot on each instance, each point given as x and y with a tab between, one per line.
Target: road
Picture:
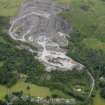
92	84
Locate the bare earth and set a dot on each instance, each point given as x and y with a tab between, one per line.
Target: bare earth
38	23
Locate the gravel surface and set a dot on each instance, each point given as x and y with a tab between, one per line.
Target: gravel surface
39	24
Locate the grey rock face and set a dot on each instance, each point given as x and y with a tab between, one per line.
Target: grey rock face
39	24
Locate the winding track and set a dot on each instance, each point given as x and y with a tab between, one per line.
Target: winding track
92	84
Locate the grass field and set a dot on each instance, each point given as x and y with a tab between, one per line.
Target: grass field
98	100
34	89
9	7
21	86
1	64
3	92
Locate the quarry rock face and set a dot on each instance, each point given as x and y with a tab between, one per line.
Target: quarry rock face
38	23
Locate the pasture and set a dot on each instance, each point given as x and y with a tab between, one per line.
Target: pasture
9	7
28	89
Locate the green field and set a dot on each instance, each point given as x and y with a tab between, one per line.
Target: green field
9	7
98	100
21	86
3	92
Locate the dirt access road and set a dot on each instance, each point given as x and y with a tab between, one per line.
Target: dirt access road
39	20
